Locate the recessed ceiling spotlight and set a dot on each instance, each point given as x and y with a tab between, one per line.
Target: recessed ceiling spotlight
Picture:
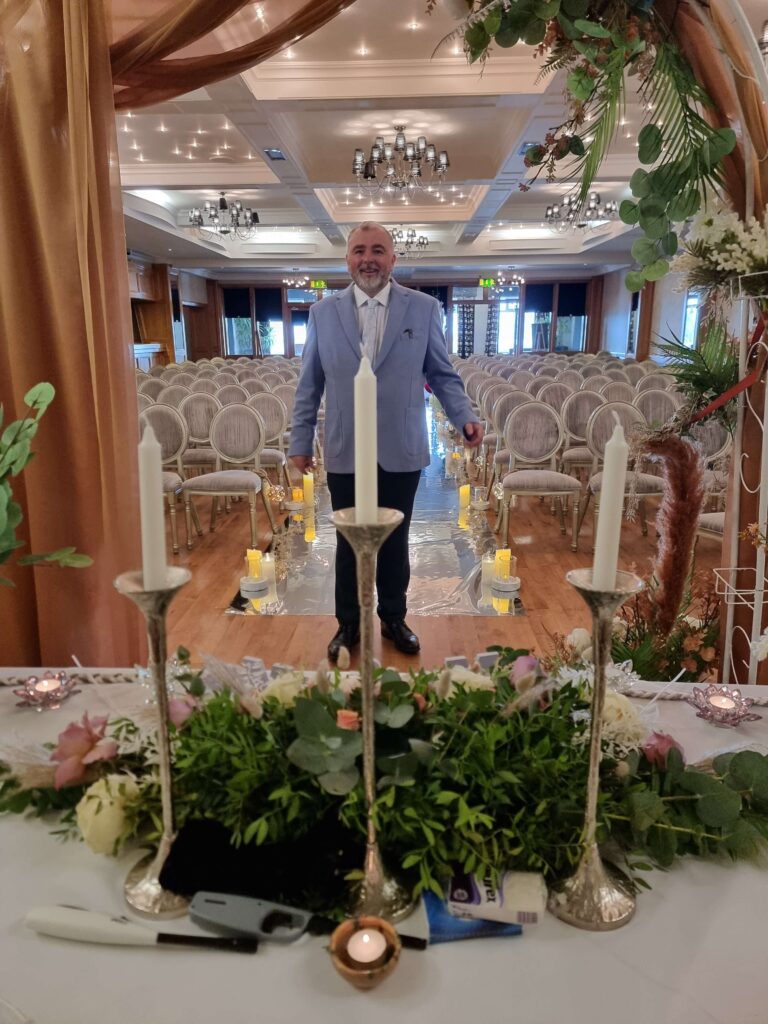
226	126
125	128
414	25
162	128
194	143
289	53
363	51
177	152
274	154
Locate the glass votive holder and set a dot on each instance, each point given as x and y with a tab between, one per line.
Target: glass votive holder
46	692
722	705
480	499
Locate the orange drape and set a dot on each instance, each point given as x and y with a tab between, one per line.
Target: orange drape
64	304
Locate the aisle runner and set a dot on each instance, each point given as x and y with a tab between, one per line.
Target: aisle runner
445	560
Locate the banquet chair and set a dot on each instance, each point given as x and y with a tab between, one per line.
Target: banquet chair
596	382
555	394
157	371
533	387
173	395
599	432
152	387
275	418
711	524
548	369
254	386
183	378
634	372
655	380
237	438
144	401
225	377
591	370
198	411
232	394
207	373
533	434
714	442
204	386
520	379
657	406
617	373
575	414
171	433
272	379
571	377
618	391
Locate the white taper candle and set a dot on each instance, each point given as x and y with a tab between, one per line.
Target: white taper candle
366	458
151	509
611	511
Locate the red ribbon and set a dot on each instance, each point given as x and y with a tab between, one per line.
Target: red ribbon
742	385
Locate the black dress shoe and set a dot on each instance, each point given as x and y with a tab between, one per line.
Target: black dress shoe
401	635
347	635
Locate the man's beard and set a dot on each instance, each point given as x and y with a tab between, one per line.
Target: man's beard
371	286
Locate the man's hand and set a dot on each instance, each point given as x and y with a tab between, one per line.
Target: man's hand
473	434
302	462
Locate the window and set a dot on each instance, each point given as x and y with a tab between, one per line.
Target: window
537	318
461	293
571	332
238	326
301	295
271	337
509	316
692	317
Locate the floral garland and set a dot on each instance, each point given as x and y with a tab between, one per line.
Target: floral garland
476	772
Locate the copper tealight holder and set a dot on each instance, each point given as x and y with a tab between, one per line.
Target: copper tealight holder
365	974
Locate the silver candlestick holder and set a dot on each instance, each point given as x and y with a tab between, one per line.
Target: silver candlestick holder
593	897
143	891
379	894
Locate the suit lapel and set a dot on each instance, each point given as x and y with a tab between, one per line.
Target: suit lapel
345	306
398	303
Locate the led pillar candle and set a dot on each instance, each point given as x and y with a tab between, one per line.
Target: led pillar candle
611	511
366	458
309	489
464	496
254	563
151	510
503	556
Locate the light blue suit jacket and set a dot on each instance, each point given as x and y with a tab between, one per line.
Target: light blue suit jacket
413	349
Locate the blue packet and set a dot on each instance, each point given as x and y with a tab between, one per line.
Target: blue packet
444	927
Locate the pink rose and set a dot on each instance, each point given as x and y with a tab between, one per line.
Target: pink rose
347	719
80	745
657	747
180	708
525	671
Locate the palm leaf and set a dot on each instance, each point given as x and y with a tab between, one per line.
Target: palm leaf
706	372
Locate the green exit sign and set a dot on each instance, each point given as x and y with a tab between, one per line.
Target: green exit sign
319	285
487	282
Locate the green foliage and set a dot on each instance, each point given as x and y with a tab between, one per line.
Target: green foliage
707	371
15	454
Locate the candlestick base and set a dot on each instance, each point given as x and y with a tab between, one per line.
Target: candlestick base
591	898
142	889
595	897
505	586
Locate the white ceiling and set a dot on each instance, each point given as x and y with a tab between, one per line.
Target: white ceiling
370	68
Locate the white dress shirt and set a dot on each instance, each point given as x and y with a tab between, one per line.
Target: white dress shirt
372	322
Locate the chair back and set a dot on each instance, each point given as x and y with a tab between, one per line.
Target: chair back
157	371
232	394
237	435
534	386
287	395
243	359
204	386
473	382
245	373
272	379
491	396
274	416
254	386
152	387
520	379
504	405
656	380
603	421
617	374
483	388
591	370
170	431
225	377
712	437
198	411
184	378
618	391
657	406
533	434
634	372
571	377
548	369
555	394
596	382
575	413
207	373
169	373
144	401
288	374
173	395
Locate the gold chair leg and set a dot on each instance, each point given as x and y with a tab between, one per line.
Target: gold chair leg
196	521
594	522
583	511
287	476
252	514
214	511
188	519
575	526
268	509
561	506
172	514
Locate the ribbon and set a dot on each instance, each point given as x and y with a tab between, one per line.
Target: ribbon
742	385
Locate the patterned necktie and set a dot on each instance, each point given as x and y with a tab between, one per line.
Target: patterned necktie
369	328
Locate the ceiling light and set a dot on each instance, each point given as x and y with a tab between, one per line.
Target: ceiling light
505	284
177	152
289	53
223	218
363	51
274	154
413	25
407	244
296	282
399	167
162	128
569	214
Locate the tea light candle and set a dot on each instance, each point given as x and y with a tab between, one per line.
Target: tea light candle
47	685
487	568
309	489
464	496
268	567
298	494
366	946
718	700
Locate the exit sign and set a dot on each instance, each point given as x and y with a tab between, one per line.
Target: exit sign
487	282
318	285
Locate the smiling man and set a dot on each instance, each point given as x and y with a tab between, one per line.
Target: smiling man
400	330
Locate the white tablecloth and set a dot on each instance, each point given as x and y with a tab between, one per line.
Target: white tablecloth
693	954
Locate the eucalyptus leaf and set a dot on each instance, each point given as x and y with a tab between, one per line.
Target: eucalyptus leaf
312	720
644	251
40	396
576	146
639	183
546	9
656	270
400	715
646	808
575	8
685	205
669	243
492	23
507	36
635	281
649	143
629	212
591	28
339	783
534	32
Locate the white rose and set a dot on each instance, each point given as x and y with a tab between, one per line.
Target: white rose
101	811
580	641
286	687
470	680
251	703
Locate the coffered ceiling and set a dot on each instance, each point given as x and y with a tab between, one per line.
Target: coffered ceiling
374	66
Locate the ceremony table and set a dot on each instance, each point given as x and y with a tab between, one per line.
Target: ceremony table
694	952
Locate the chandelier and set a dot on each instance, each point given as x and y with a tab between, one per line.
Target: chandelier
400	169
408	245
504	283
569	214
227	219
296	282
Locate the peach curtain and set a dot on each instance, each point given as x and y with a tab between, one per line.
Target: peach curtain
64	303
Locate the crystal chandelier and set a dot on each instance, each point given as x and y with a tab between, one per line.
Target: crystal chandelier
296	282
569	214
504	283
227	219
400	169
408	245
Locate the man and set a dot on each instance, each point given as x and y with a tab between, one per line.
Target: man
400	330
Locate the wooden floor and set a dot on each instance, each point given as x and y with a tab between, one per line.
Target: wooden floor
197	619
